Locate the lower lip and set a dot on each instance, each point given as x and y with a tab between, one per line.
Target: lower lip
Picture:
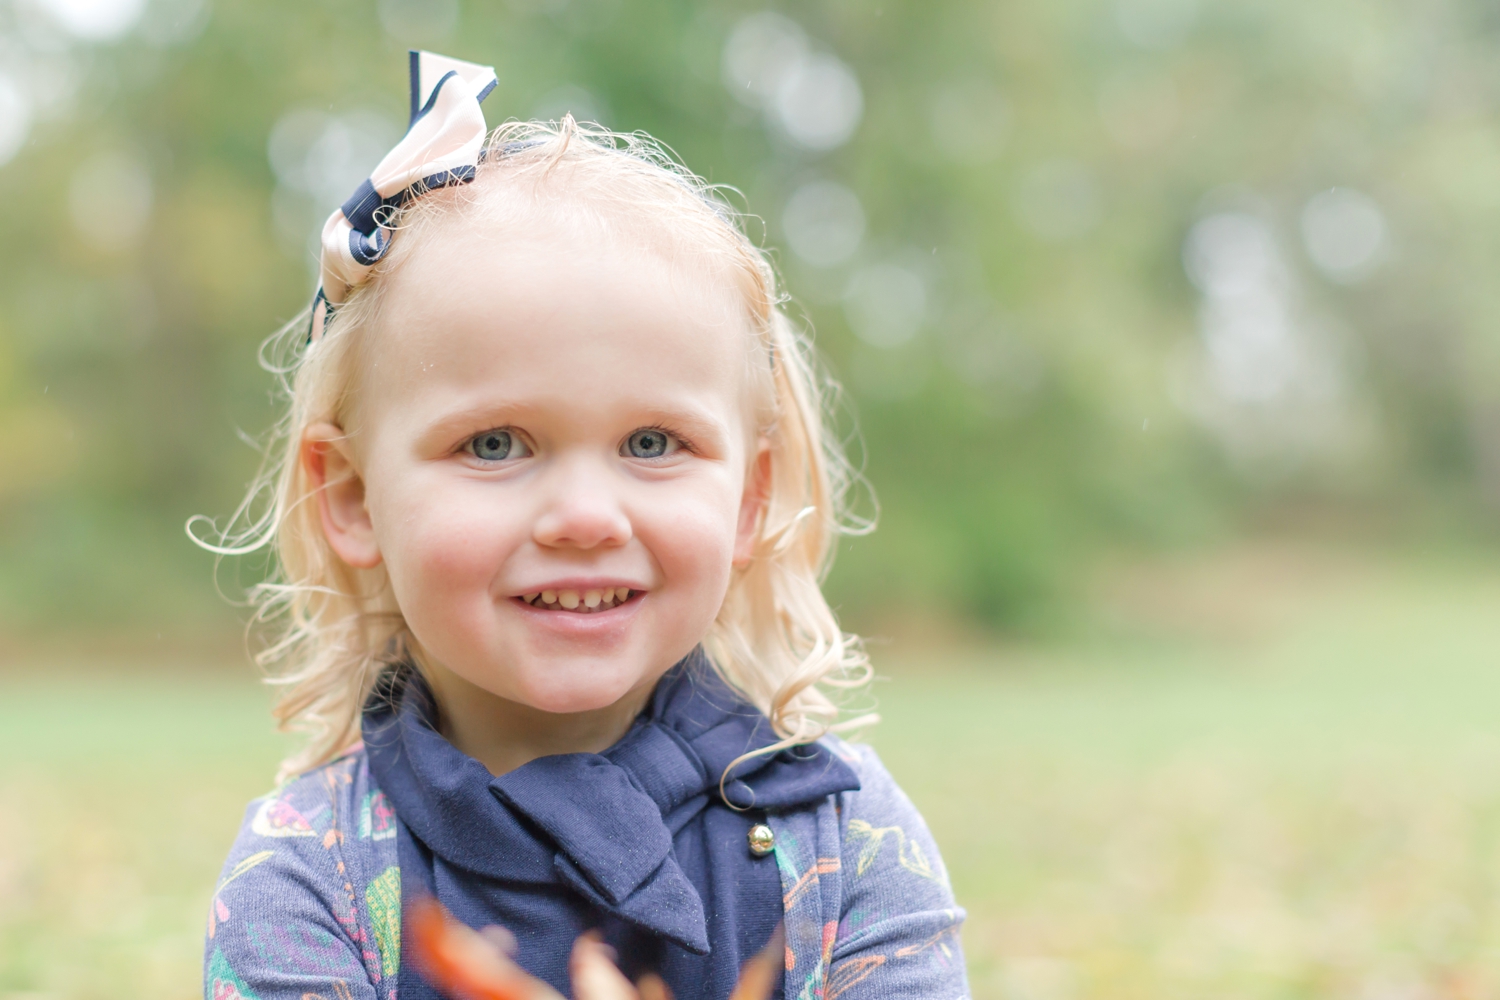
585	623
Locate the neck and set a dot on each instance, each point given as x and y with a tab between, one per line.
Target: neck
503	735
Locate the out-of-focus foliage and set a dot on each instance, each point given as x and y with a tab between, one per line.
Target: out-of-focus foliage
1092	270
1289	791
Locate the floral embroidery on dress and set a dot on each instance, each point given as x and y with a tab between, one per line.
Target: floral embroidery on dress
383	898
911	857
377	820
223	982
276	817
849	974
218	912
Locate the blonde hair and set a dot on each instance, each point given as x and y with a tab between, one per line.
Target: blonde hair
334	629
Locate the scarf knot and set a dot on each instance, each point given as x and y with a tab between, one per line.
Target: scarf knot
600	825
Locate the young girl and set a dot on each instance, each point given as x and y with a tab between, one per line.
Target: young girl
551	515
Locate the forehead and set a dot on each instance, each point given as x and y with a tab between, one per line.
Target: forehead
541	306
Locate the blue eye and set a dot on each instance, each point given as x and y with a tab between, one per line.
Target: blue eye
650	444
495	446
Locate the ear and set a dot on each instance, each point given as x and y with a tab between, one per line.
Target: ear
753	503
336	482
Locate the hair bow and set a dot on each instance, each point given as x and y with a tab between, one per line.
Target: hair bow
442	146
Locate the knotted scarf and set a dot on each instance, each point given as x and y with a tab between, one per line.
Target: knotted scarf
635	841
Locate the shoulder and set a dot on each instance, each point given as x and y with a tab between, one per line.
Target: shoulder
312	828
335	803
324	825
885	846
898	928
865	762
315	859
873	835
879	801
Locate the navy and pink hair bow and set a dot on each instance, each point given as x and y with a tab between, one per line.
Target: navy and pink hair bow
442	147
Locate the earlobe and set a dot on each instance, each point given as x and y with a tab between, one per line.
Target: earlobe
753	504
340	492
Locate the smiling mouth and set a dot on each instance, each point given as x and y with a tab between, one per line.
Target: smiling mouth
579	602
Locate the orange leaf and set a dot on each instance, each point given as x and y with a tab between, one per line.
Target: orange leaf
462	964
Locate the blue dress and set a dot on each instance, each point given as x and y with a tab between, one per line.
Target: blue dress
637	842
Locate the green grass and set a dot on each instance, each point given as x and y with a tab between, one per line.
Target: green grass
1309	807
119	797
1271	778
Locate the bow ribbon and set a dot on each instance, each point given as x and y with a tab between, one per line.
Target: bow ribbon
443	146
601	824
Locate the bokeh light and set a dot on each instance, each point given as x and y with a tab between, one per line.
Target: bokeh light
1345	234
1058	200
1245	319
15	118
761	52
418	23
886	304
819	103
812	97
824	223
95	20
319	159
969	120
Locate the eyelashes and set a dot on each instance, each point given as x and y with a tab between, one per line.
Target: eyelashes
651	442
506	444
498	444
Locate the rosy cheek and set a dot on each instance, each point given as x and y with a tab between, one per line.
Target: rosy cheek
447	551
446	542
691	539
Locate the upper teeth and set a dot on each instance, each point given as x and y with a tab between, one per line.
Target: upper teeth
600	599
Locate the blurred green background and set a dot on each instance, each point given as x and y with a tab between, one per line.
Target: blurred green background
1096	274
1172	339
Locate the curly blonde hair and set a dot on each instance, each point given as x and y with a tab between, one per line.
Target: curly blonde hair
333	629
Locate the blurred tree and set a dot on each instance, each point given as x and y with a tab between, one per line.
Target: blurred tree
1093	271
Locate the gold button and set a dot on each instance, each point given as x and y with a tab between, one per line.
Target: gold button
762	840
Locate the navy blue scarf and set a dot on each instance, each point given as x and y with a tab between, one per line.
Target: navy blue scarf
635	842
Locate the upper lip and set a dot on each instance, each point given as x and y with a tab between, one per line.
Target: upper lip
581	584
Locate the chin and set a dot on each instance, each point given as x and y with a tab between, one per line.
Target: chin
571	688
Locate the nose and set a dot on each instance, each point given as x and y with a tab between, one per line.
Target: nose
582	509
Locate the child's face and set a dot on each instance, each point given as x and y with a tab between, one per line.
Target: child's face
550	415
